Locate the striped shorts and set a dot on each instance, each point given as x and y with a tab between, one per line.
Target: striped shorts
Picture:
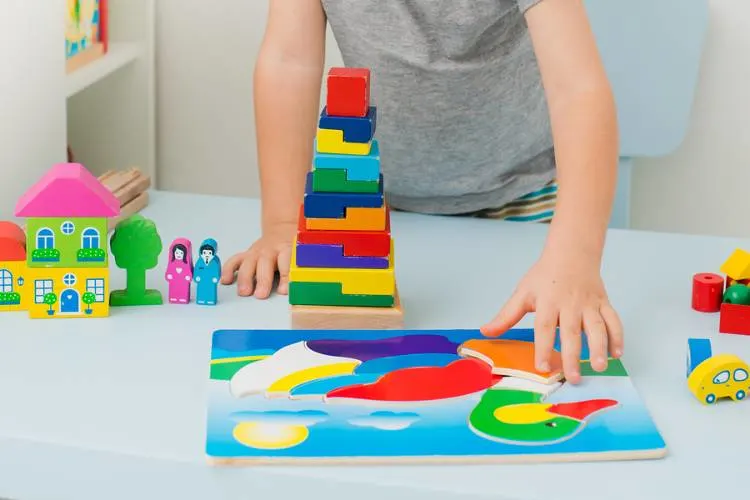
537	206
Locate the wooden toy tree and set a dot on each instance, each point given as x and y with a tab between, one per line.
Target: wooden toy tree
342	271
136	246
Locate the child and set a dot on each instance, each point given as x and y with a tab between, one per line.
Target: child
472	95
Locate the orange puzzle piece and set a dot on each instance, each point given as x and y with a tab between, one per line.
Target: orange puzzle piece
512	358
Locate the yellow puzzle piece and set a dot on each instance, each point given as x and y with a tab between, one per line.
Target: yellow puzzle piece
356	219
332	141
353	281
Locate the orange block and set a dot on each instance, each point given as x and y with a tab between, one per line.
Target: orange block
357	219
512	358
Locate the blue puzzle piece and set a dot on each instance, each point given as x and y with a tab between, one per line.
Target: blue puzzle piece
355	129
358	167
391	363
333	205
699	350
323	386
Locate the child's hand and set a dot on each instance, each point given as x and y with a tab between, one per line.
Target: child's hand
256	267
564	290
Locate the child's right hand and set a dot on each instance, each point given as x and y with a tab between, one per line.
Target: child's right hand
256	267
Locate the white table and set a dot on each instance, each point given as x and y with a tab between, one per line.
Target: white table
115	408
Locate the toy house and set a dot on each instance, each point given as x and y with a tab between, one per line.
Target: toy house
13	296
66	243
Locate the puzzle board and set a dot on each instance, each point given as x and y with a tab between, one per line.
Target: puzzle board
416	396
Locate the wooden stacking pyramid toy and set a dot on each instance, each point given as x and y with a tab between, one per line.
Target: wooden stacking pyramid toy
342	271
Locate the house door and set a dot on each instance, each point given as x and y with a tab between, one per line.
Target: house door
70	302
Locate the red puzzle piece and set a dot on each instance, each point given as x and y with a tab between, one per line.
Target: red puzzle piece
348	92
424	383
356	243
734	318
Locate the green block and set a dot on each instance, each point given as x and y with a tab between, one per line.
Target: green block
329	294
327	180
123	298
68	242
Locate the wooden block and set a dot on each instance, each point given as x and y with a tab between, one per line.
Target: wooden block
348	318
708	289
737	266
332	256
353	281
699	350
330	294
720	376
354	243
335	205
334	181
734	318
348	92
136	246
126	185
332	141
133	207
358	167
60	293
355	129
355	219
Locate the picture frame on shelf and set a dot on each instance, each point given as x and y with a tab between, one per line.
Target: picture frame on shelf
86	32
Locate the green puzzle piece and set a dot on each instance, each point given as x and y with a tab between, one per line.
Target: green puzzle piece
329	294
327	180
136	245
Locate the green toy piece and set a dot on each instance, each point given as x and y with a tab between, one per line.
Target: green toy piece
737	294
136	246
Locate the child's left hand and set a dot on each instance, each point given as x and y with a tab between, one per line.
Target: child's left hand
565	291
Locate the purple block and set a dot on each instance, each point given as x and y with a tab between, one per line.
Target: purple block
333	256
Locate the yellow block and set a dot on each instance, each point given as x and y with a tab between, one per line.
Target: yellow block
353	281
356	219
737	266
14	279
720	376
332	141
56	293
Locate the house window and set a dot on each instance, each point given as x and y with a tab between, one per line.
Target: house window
69	279
67	228
96	286
42	288
90	238
45	238
6	281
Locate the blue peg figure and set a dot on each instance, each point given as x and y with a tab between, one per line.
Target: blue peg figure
207	273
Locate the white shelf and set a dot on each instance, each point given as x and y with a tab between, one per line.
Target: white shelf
118	56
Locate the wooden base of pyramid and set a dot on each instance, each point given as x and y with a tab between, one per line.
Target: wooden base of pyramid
348	318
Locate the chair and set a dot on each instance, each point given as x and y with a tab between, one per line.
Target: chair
651	51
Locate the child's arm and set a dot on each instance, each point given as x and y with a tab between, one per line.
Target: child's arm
565	285
287	84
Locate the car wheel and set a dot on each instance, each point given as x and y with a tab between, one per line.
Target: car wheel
740	395
710	399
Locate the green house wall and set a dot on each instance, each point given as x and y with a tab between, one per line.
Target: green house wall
67	242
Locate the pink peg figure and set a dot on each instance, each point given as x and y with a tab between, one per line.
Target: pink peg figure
179	273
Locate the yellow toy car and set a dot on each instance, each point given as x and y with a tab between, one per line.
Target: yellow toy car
720	376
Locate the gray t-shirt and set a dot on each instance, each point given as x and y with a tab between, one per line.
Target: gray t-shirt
462	117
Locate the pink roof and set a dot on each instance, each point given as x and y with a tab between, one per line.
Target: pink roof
68	190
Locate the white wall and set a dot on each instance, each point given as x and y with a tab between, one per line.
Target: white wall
32	95
205	61
703	187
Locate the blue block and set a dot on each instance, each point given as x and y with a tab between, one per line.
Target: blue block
333	205
358	168
699	350
355	129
